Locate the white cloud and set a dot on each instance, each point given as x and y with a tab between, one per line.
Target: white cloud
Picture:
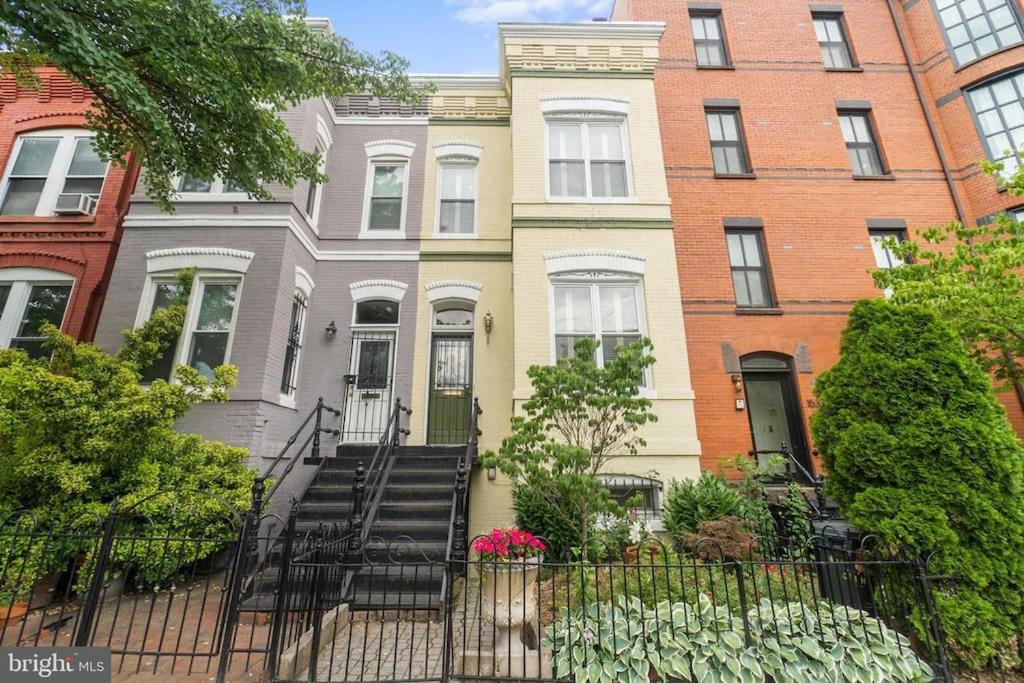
491	11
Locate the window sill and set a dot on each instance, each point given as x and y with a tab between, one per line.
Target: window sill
716	67
884	176
455	235
593	200
286	401
382	235
767	310
42	220
215	197
736	176
845	69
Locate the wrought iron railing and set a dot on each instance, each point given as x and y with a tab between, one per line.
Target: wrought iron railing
816	481
379	470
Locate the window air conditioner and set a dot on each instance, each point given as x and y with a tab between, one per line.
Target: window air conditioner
75	204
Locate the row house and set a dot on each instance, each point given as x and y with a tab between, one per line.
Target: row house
60	211
797	136
457	243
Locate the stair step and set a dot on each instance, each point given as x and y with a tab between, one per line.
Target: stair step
325	510
418	491
417	530
377	550
422	476
395	601
438	510
328	492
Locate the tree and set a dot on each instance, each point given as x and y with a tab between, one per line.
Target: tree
579	417
919	453
194	86
974	279
78	432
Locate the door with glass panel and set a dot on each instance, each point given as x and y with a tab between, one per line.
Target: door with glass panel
773	407
371	371
450	402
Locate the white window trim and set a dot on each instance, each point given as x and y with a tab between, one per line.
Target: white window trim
605	278
364	229
216	193
460	161
304	288
584	118
323	141
59	166
22	280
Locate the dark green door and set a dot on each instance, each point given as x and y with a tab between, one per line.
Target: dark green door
451	388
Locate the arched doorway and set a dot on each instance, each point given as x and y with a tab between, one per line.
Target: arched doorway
450	399
773	406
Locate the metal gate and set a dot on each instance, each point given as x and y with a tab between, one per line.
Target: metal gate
368	386
451	388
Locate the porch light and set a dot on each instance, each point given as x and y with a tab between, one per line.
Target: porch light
737	383
331	330
488	325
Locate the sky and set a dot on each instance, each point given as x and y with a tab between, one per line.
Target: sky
444	36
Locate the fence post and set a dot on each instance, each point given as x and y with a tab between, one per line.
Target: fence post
282	598
246	540
356	522
316	427
459	532
92	598
741	587
314	645
922	574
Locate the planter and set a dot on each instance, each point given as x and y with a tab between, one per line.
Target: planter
509	599
648	554
45	590
13	614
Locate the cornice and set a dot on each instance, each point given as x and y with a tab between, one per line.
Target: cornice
650	30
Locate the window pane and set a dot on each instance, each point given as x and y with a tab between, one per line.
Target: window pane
91	186
565	141
311	193
610	344
751	249
35	156
568	179
755	283
208	351
377	312
605	142
619	309
734	241
374	359
715	126
385	214
166	294
46	304
573	313
609	178
85	160
5	291
218	307
388	181
565	345
456	217
453	317
458	182
22	196
193	184
739	284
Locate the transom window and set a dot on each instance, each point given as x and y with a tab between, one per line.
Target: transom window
728	149
861	144
708	38
608	311
999	111
294	344
453	317
376	312
749	268
587	159
457	198
387	197
52	171
975	28
835	49
209	323
29	299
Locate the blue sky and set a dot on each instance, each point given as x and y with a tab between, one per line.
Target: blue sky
444	36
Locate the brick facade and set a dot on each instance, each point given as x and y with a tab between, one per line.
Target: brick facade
81	246
815	214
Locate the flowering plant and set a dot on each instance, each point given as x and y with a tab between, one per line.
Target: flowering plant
508	545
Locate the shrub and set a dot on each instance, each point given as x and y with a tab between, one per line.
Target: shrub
701	641
688	503
919	453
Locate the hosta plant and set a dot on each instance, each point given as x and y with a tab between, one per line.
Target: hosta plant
704	643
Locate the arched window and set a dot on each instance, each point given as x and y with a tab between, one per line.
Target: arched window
29	299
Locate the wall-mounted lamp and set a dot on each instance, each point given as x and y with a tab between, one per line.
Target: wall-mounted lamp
737	383
488	325
492	473
331	330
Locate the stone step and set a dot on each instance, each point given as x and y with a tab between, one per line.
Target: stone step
439	510
417	530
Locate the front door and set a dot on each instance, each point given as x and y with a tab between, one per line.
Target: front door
451	388
774	413
368	404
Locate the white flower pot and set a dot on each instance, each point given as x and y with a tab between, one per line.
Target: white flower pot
508	600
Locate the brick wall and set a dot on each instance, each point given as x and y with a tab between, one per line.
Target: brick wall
82	246
814	212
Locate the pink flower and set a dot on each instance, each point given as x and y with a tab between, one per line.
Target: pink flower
537	544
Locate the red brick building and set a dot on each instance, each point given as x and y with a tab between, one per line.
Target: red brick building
60	211
796	136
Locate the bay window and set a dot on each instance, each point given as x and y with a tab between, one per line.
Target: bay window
51	171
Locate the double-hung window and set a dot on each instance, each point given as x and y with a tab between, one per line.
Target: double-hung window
211	324
166	292
587	159
728	149
975	28
749	268
861	143
884	258
189	184
289	377
314	193
29	299
457	197
999	112
709	38
599	307
835	48
387	197
49	171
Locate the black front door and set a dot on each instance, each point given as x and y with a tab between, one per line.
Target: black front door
773	408
451	388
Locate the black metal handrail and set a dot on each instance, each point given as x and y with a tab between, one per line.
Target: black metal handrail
817	482
259	499
458	538
379	470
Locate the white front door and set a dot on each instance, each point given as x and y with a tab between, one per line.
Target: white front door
368	402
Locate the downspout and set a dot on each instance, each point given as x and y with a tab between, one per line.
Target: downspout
961	216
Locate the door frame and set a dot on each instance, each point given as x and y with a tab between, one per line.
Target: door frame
432	329
360	334
791	398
